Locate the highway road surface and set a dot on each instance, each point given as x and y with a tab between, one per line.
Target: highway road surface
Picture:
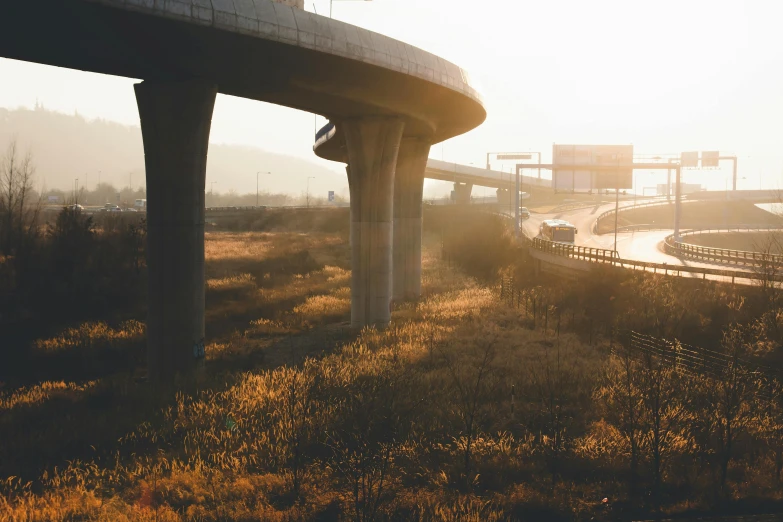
637	246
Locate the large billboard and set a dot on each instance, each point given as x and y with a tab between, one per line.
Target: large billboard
584	168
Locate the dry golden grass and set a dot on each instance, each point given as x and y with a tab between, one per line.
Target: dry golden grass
92	336
41	393
446	415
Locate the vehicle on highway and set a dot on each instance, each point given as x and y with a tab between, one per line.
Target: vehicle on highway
76	207
558	231
111	207
524	213
140	204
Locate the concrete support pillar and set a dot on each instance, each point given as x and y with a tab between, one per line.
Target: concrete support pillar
408	189
462	193
373	145
175	123
350	228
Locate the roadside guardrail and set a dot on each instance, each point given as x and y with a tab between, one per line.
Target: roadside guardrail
723	255
611	257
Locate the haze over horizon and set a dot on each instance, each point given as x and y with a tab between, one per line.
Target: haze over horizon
701	75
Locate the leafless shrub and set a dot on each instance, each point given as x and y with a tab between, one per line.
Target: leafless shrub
621	400
724	405
664	395
471	379
558	386
369	426
19	208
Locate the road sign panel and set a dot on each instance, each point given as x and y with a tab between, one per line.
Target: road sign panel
689	159
709	158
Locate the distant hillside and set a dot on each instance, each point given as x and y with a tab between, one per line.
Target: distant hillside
66	147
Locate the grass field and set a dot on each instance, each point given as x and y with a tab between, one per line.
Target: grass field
464	409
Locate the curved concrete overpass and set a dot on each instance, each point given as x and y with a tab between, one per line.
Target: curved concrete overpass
330	144
391	101
255	49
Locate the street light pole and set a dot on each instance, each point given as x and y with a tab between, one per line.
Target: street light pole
616	200
677	209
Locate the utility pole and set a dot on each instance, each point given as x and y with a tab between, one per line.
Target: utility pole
677	204
617	199
616	213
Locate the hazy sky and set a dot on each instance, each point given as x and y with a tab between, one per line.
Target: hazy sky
667	76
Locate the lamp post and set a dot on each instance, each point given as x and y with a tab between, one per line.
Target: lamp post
332	1
308	190
257	173
677	202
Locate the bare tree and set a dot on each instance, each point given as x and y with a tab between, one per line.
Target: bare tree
622	404
663	394
18	214
295	419
768	270
373	415
557	384
470	382
726	403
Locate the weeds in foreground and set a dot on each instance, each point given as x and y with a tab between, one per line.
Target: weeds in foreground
459	411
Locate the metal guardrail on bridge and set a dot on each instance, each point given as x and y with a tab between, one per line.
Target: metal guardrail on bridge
723	255
610	212
573	251
611	257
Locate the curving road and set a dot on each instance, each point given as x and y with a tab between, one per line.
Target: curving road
638	246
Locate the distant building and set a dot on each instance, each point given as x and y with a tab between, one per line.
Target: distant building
293	3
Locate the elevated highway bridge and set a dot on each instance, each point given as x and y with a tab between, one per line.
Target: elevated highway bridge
391	101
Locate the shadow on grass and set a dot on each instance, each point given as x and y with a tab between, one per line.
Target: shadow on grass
72	391
50	424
